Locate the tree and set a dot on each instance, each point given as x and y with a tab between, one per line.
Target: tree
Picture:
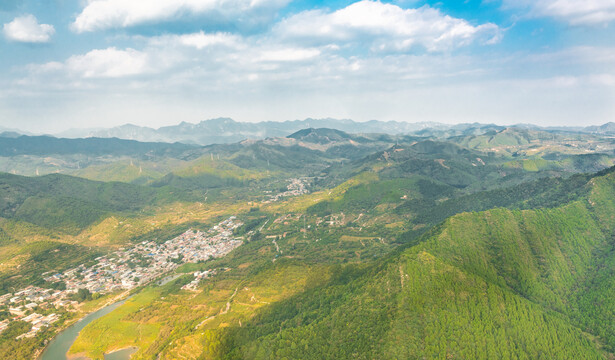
82	295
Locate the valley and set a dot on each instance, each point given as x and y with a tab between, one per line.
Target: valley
486	244
307	180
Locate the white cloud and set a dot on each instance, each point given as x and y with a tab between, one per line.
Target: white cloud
575	12
105	14
387	27
27	29
288	55
108	63
199	40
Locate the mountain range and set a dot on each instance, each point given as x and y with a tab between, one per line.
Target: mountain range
226	130
470	241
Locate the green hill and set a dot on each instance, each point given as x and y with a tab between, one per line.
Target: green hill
69	204
499	284
424	249
46	145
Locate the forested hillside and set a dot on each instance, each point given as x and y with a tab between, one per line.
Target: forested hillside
69	204
499	284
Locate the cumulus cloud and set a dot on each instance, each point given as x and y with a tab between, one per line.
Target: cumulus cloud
199	40
387	27
27	29
103	63
575	12
109	62
105	14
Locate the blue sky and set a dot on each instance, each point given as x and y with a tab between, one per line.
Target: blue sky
101	63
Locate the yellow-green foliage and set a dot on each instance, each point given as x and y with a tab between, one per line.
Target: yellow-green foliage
301	203
113	331
413	307
446	313
220	168
532	164
25	232
156	315
601	199
498	284
539	253
129	170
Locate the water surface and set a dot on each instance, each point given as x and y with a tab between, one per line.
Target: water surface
59	345
123	354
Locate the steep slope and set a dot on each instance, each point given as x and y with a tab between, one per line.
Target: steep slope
68	203
499	284
208	173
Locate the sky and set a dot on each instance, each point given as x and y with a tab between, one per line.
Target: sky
102	63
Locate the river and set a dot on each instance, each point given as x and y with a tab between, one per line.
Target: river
59	345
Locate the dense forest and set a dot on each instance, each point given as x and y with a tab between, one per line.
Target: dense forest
499	284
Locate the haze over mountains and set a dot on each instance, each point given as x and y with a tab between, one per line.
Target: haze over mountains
226	130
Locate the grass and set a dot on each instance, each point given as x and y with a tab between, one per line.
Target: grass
129	170
220	168
164	320
301	203
113	331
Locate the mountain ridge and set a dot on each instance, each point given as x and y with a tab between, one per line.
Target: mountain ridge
226	130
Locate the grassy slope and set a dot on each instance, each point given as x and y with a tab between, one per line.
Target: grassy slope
70	204
130	171
496	284
164	319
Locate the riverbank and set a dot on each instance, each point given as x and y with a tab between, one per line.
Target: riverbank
58	347
101	310
121	354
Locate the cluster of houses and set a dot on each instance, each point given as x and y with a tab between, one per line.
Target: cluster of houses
32	297
296	187
121	270
198	276
38	321
128	268
21	306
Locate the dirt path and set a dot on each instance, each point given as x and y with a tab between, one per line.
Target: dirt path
222	311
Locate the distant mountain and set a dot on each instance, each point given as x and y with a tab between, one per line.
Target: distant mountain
444	132
320	136
225	130
10	134
6	130
608	128
70	204
11	145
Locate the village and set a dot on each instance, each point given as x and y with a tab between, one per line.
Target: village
121	270
296	187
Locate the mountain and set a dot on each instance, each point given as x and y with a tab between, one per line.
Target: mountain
495	284
10	134
320	136
48	145
491	243
70	204
95	158
608	128
225	130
